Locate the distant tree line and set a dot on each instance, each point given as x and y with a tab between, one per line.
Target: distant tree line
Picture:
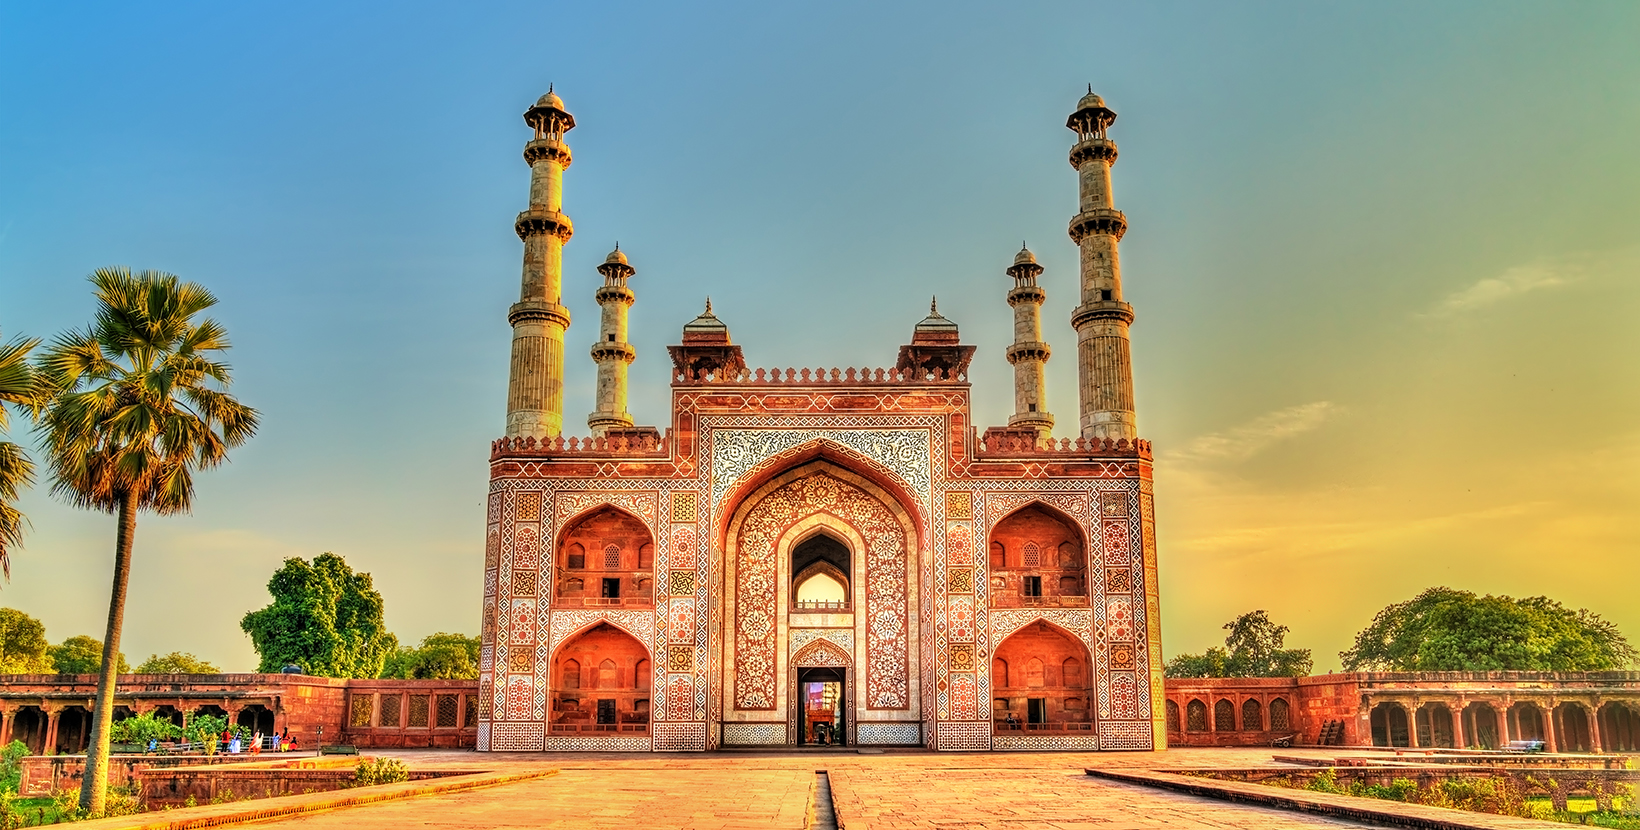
24	650
1441	629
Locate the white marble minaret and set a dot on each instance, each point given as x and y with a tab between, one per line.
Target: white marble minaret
612	353
535	385
1104	361
1029	354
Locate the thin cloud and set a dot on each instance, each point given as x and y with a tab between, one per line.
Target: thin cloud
1511	283
1255	436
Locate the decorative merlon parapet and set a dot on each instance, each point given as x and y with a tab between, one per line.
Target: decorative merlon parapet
643	442
819	377
1011	444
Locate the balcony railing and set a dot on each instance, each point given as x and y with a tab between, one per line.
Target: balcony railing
601	728
823	605
1049	726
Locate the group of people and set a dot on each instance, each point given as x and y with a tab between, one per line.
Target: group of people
233	744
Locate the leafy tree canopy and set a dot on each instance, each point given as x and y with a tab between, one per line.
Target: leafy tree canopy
439	657
23	647
177	662
1252	649
83	655
20	387
1443	629
324	618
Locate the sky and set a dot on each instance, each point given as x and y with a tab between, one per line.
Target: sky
1385	260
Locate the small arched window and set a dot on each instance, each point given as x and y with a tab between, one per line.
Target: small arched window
569	675
999	673
640	675
612	558
999	556
1172	716
577	557
1224	716
608	676
1033	555
1279	717
646	557
1252	716
1196	716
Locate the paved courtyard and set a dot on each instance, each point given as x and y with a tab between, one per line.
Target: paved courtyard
890	791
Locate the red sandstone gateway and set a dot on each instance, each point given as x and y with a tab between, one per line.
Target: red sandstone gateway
826	556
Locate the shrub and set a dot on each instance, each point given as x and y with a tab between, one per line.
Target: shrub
380	771
11	766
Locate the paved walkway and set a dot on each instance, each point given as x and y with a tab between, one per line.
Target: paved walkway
892	791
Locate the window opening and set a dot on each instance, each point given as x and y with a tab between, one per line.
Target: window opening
577	557
606	710
1036	710
1033	555
612	558
1031	586
612	588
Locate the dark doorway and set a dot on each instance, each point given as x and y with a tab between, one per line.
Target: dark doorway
822	696
612	588
606	711
256	718
1036	710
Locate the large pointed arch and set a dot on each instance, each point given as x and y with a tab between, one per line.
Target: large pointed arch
1057	511
602	556
821	449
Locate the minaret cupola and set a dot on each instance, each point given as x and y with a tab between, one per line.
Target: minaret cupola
935	351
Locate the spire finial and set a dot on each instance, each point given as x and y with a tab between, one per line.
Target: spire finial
1021	245
549	87
708	305
933	305
1090	88
617	244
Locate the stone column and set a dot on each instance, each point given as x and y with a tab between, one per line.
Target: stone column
6	713
1104	360
1596	740
1459	728
53	715
1550	728
1412	725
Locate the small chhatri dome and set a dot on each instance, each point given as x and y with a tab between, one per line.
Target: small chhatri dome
1090	100
549	100
706	322
616	256
1024	257
934	322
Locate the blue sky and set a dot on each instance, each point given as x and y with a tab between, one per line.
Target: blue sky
1383	255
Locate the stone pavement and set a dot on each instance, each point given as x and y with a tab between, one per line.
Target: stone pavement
890	791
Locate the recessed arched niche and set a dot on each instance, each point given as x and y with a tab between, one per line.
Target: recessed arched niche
820	570
605	558
601	684
1038	559
1040	683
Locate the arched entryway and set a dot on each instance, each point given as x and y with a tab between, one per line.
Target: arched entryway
1619	727
1527	720
1572	729
1435	725
600	684
1037	558
1045	687
820	551
605	559
73	730
1482	726
822	708
1389	725
28	724
256	718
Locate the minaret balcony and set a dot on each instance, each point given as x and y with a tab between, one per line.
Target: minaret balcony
1028	351
1094	149
538	221
1098	221
615	294
1101	310
611	350
546	149
536	310
1027	294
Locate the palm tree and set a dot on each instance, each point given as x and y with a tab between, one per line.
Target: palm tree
18	386
139	402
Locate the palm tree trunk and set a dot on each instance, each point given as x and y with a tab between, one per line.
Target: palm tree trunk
94	787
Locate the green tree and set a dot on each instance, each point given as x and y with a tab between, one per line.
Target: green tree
440	656
23	647
1252	649
324	618
19	387
177	662
138	402
82	655
1443	629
